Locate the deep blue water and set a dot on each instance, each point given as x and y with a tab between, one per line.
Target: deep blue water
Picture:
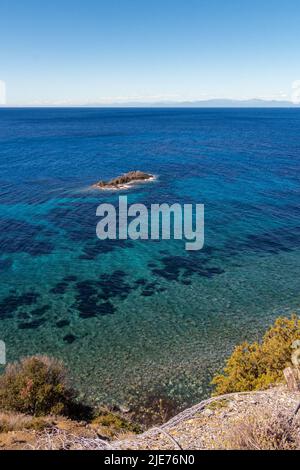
127	315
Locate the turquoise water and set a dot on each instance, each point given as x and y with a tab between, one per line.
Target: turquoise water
146	315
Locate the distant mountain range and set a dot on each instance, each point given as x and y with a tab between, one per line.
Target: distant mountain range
212	103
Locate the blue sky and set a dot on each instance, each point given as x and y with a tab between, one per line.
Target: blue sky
84	51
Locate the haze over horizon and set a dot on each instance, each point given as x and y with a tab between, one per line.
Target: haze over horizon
70	53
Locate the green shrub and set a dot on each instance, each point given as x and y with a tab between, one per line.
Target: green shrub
37	386
217	405
256	366
111	424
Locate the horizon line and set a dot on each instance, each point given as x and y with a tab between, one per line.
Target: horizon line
206	103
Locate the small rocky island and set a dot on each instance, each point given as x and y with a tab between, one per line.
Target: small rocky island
123	181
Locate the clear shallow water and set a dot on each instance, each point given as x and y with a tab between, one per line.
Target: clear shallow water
127	315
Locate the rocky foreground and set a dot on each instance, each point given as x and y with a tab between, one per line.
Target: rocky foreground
254	420
123	181
220	423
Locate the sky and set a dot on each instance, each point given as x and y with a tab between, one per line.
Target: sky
72	52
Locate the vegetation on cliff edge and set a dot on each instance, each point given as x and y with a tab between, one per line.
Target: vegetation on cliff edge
258	365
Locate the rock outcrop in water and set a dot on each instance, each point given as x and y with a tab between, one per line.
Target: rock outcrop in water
122	182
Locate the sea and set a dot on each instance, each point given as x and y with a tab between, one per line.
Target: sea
136	317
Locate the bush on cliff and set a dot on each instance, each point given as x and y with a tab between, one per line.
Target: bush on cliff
110	423
256	366
37	386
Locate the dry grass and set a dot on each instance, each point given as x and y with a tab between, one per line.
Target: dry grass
19	422
263	432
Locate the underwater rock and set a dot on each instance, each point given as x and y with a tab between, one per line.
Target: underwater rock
62	323
69	339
